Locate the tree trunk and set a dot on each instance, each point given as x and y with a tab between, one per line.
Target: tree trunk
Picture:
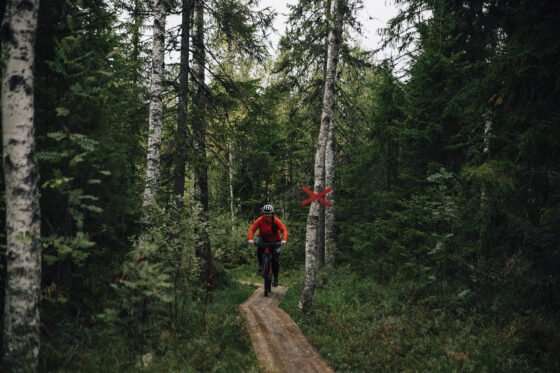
181	134
203	248
23	251
321	233
321	236
156	105
484	201
329	240
306	299
230	182
137	21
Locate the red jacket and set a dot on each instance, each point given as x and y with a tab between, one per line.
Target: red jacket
266	230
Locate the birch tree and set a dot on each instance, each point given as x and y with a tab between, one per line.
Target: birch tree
156	104
329	240
311	238
23	252
181	134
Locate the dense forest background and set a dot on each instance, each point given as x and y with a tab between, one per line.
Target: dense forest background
447	185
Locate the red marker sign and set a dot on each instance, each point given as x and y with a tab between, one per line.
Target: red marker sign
321	197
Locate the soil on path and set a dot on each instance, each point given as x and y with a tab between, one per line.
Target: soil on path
278	342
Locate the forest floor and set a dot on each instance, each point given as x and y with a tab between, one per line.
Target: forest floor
278	342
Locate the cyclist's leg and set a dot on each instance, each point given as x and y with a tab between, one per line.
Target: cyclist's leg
275	266
259	260
267	273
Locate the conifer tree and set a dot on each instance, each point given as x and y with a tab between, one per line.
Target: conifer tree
199	124
181	133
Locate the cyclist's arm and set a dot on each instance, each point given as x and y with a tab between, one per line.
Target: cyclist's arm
253	228
282	228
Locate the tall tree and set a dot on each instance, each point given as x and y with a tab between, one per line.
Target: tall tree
156	104
200	161
327	113
181	134
329	230
329	243
135	28
23	254
321	232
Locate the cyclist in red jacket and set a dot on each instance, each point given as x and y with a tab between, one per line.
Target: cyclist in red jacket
271	229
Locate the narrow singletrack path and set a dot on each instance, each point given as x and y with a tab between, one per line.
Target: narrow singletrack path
278	342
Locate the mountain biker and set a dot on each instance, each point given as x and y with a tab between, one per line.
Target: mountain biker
270	227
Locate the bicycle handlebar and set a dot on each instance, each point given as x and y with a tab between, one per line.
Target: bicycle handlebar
273	243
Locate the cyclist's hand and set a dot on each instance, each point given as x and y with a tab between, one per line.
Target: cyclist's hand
251	242
283	242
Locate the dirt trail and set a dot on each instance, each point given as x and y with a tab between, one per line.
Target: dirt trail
278	342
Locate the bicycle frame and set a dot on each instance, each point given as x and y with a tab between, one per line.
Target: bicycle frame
267	265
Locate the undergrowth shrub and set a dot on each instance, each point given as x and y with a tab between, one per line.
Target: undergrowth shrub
359	325
161	318
159	278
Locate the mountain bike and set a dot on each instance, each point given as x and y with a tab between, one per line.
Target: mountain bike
267	258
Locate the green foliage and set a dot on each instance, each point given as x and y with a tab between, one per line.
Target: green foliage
209	338
359	325
494	174
158	275
229	241
87	110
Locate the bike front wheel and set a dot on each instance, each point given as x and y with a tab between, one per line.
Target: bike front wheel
267	276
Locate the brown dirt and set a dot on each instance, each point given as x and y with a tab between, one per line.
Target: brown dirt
278	342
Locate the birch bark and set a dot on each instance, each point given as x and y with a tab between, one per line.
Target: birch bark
330	165
310	282
156	105
321	233
23	251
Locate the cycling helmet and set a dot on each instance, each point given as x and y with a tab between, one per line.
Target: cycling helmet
268	209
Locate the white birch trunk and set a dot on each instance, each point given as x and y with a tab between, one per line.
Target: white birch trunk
23	252
310	282
156	105
330	244
321	236
330	165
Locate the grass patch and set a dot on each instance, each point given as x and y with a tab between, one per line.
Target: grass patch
211	338
360	326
